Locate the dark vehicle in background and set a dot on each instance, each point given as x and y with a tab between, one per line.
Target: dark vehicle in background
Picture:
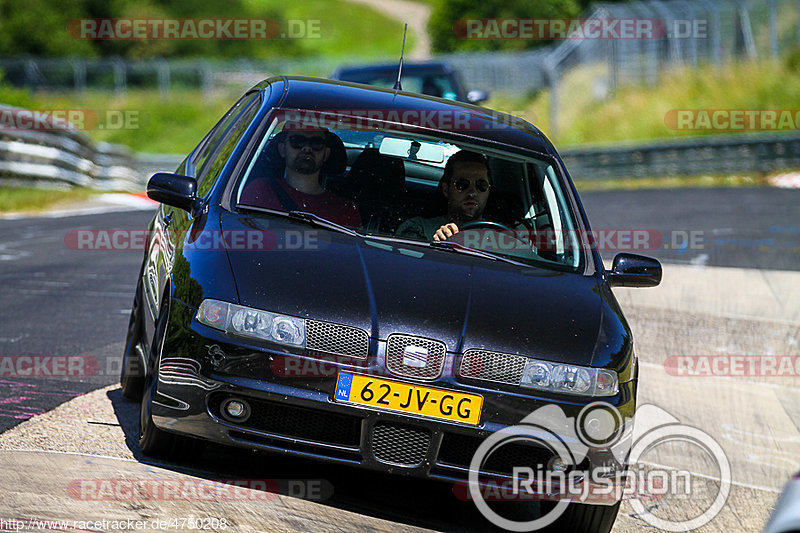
273	328
431	78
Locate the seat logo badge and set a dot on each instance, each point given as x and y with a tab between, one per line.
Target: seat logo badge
415	356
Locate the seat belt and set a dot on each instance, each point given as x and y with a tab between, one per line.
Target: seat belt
283	196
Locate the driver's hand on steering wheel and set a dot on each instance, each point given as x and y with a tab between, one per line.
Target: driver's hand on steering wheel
448	230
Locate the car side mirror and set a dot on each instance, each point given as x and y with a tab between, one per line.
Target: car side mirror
173	190
632	270
476	96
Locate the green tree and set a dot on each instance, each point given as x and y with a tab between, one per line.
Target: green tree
447	13
39	27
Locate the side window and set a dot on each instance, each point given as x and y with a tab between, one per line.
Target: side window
208	143
220	145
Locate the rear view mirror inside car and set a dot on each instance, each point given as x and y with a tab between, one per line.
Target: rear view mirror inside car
418	151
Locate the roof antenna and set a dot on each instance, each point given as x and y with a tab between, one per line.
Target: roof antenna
397	86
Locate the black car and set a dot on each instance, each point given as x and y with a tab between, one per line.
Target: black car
266	322
433	78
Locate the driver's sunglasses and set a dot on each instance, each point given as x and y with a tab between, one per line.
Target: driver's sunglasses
462	184
299	141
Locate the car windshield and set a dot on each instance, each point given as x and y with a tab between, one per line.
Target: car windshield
432	84
405	184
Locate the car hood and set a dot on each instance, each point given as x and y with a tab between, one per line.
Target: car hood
384	288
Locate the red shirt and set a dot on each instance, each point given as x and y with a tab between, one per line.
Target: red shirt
259	192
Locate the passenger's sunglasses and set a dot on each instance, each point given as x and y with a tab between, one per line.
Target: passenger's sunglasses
462	184
299	141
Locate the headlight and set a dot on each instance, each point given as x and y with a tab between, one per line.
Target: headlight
254	323
570	379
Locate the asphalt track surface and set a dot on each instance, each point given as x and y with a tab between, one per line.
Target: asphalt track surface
55	301
730	227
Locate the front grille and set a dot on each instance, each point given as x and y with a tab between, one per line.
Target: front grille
492	366
404	351
404	445
335	339
457	450
296	422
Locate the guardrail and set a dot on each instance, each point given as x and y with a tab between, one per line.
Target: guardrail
63	158
693	156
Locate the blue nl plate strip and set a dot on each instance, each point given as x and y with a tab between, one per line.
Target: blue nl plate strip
343	385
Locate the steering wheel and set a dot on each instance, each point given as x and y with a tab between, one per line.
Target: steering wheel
495	226
485	224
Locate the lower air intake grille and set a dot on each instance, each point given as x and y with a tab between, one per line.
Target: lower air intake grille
296	422
404	445
492	366
327	338
457	450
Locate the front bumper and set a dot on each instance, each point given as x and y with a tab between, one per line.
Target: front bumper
309	423
297	414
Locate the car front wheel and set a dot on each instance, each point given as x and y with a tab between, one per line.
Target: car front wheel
131	379
585	518
155	442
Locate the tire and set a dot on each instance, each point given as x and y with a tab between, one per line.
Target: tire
131	379
585	518
153	441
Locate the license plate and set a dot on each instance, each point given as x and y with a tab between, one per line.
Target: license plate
409	399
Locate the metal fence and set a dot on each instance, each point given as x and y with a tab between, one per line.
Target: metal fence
695	32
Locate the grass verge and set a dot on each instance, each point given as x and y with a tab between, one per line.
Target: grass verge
637	113
13	199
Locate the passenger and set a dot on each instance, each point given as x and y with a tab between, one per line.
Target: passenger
430	87
304	153
465	185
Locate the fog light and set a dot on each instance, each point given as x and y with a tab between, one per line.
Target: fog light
235	410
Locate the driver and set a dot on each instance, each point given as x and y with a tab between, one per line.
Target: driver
465	185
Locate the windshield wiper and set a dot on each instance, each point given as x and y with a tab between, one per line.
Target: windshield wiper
305	216
460	248
449	246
